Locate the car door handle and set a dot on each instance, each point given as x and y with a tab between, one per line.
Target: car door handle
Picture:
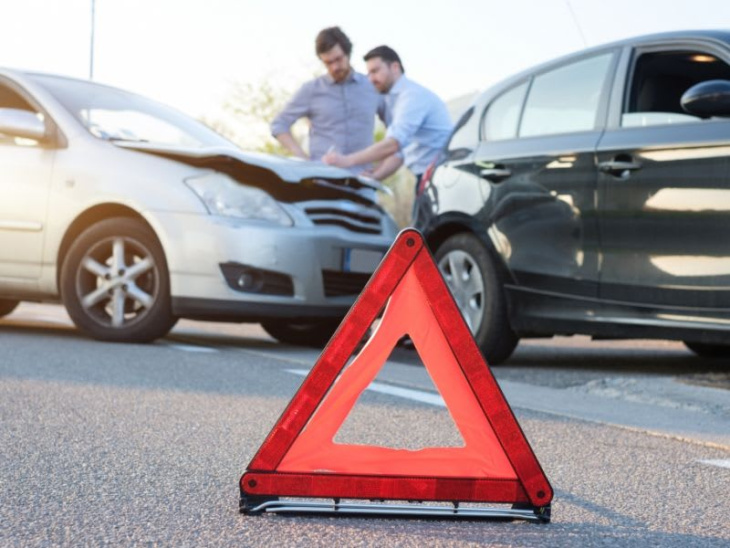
619	168
495	174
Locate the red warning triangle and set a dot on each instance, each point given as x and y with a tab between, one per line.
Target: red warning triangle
496	464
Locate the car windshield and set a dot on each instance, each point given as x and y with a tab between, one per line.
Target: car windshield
116	115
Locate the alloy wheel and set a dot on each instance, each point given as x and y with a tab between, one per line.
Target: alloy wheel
465	281
117	281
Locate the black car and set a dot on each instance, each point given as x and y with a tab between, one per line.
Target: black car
591	195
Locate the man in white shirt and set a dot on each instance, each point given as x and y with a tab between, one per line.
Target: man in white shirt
418	122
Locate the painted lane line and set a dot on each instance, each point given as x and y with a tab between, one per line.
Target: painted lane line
35	318
307	358
407	393
191	348
56	320
721	463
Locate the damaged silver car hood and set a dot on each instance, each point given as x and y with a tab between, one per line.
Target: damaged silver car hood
291	170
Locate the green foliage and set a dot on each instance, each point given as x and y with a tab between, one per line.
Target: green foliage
258	103
249	110
400	204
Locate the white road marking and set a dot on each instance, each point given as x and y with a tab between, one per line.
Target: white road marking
54	319
191	348
60	320
722	463
407	393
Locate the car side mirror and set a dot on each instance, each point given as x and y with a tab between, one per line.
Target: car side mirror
21	123
707	99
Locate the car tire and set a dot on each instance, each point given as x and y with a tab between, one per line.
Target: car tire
709	350
314	334
115	283
477	286
7	306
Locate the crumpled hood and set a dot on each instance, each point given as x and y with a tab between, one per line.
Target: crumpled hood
286	169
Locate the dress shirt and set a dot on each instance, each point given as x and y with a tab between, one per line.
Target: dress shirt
419	121
341	115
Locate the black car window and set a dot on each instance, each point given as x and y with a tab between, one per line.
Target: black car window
503	114
566	99
660	79
461	138
11	99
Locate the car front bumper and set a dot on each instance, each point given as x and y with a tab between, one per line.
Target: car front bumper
206	254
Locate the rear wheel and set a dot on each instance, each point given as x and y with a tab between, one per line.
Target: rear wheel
303	333
477	287
709	350
115	284
7	306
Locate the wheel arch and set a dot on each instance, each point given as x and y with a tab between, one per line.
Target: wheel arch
89	218
450	224
495	336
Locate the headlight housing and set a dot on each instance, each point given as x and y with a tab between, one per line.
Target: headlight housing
223	196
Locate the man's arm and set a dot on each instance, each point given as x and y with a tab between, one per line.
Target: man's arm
296	108
290	143
408	115
387	167
378	151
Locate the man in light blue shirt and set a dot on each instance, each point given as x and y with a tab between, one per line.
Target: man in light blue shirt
341	105
418	122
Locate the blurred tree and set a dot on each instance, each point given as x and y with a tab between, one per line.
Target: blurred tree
248	111
254	107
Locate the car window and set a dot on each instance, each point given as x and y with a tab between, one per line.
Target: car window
658	82
462	139
114	114
503	114
11	99
566	99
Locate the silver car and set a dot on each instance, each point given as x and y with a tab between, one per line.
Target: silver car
134	215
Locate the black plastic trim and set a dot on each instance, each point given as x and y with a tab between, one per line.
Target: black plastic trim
538	313
223	310
264	282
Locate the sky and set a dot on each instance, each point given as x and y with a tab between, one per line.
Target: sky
188	53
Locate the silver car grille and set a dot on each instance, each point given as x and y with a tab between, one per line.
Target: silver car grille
355	220
337	284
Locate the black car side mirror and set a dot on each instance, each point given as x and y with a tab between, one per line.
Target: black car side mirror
707	99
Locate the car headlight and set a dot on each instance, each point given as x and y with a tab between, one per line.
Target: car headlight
223	196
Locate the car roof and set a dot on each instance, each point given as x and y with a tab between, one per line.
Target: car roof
722	35
27	76
716	35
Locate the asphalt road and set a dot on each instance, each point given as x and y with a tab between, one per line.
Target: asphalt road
143	445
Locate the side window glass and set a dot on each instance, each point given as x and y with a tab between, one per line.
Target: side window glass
10	99
660	79
463	136
503	114
566	99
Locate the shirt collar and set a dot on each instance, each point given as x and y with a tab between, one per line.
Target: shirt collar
400	83
352	77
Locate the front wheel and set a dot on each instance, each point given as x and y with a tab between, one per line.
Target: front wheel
115	284
709	350
7	306
477	287
302	333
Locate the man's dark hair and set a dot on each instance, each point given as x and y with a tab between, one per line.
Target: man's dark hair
387	54
329	38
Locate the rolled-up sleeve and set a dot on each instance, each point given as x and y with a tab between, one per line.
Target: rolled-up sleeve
408	116
297	107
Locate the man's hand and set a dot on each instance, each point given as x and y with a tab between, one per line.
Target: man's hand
334	158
